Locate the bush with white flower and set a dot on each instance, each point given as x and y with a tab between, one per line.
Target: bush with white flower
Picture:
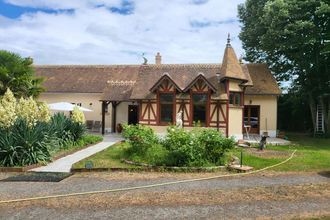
27	109
44	112
77	115
7	110
29	134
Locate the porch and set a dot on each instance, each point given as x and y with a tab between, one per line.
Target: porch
255	139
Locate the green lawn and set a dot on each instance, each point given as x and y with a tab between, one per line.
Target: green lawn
313	154
108	158
85	141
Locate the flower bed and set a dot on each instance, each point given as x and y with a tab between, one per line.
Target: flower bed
201	147
29	135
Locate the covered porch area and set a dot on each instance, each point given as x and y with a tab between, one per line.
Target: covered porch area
116	104
255	139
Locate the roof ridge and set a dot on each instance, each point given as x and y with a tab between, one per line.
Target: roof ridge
128	65
84	65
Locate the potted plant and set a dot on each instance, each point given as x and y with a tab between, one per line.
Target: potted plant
119	127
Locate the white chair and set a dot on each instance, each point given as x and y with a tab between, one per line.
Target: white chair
247	130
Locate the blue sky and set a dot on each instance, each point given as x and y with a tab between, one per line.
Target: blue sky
119	31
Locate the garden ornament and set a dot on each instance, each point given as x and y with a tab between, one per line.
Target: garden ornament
179	122
263	142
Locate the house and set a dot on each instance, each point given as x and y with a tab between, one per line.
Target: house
231	97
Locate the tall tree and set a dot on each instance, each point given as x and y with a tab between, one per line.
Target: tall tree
17	74
292	37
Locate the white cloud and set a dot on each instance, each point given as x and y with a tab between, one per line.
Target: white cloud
93	35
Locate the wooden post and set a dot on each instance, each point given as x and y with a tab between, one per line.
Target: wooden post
218	107
114	115
183	106
103	116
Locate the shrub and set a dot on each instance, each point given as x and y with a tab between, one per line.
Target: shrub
88	139
58	126
214	144
28	110
199	147
7	110
180	145
65	129
157	155
78	116
24	145
140	138
44	112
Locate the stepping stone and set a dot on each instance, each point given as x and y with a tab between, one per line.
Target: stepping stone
240	168
243	145
37	177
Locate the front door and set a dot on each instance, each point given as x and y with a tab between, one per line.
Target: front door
252	118
133	114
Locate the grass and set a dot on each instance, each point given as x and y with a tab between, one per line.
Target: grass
108	158
313	154
85	141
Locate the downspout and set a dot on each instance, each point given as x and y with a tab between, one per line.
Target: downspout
227	108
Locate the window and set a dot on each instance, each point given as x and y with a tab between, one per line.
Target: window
78	104
166	103
235	98
199	108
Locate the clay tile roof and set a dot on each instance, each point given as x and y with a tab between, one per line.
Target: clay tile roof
231	67
124	82
84	78
120	91
247	75
181	74
264	82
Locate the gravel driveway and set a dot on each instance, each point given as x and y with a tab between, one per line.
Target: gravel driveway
272	195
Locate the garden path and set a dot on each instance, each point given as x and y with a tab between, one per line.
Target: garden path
64	164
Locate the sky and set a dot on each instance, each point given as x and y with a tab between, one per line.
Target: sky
119	31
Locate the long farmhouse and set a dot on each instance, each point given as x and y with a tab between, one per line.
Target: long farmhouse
231	97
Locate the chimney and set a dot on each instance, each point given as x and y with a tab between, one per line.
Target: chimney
158	59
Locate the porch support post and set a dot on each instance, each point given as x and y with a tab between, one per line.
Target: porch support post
103	116
114	115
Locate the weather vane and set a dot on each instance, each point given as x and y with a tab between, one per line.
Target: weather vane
145	59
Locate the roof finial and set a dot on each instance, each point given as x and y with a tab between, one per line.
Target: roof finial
145	60
228	40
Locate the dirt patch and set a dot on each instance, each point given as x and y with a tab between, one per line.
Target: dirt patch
317	192
268	153
146	175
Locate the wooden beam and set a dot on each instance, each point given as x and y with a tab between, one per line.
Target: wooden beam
103	107
218	106
114	115
103	116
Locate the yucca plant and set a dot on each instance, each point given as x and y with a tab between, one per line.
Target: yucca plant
23	145
66	129
9	151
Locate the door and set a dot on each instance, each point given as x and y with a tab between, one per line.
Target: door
133	114
252	118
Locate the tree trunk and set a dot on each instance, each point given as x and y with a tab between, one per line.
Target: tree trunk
312	108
